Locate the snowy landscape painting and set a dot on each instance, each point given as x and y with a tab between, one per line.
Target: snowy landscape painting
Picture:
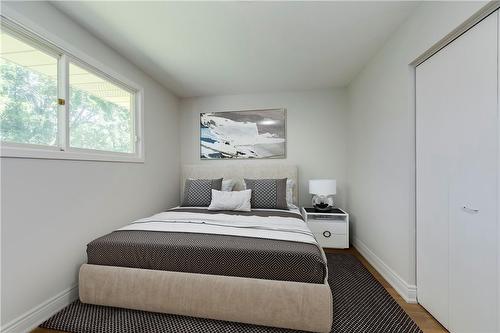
243	134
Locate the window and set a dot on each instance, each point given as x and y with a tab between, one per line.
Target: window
100	113
55	105
28	93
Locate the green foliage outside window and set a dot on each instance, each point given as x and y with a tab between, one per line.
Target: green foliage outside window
28	106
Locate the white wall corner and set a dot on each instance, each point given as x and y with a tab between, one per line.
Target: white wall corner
407	291
37	315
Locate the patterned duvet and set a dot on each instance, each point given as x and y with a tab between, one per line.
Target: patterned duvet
211	254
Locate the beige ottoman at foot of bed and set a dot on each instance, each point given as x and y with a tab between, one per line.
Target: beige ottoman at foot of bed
294	305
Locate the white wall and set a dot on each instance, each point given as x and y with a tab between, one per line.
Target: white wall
52	208
316	132
381	137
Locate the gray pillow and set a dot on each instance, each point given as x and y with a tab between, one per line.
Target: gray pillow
268	193
198	192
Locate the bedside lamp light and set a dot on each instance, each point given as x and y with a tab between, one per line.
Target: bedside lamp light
322	191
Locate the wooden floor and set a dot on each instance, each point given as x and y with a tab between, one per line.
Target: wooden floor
423	319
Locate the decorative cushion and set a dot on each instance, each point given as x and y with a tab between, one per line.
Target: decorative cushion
268	193
227	184
198	192
290	183
231	200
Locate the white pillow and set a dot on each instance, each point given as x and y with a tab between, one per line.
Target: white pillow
227	185
289	194
234	200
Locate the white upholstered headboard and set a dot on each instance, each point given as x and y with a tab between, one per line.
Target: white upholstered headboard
239	171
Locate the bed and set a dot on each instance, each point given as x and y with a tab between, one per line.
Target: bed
262	267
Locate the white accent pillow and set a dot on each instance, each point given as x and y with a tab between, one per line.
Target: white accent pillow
227	185
289	193
233	200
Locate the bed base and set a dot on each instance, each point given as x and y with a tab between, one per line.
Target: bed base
293	305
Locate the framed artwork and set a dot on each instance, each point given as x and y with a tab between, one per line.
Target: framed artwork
243	134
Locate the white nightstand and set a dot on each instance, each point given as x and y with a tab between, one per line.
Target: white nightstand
330	229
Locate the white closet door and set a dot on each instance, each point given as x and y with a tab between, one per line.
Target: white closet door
434	138
457	181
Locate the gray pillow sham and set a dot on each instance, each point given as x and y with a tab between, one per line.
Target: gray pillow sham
198	192
268	193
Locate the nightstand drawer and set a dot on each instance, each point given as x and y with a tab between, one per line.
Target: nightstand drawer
338	228
330	240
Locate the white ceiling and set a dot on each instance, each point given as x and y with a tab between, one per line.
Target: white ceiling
214	48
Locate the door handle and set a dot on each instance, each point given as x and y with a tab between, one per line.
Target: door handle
470	210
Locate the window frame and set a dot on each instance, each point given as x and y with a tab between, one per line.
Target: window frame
66	54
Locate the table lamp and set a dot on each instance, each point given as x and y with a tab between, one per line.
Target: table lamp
323	191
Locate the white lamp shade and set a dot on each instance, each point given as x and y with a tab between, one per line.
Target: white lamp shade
323	186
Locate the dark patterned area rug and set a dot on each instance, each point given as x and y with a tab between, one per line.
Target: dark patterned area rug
360	304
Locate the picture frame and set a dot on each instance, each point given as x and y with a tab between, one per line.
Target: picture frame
243	134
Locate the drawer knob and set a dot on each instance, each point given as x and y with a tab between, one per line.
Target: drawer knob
327	233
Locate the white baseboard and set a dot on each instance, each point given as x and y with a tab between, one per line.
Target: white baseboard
407	291
34	317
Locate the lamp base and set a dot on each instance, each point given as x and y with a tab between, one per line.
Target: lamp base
322	203
323	208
